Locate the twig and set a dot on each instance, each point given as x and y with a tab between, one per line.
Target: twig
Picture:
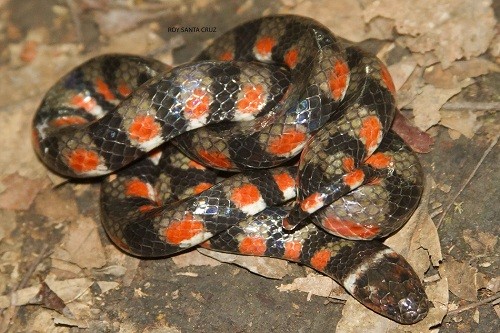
467	181
469	106
474	305
472	106
76	20
12	310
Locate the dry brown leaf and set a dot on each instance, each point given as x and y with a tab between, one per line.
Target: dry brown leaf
82	245
194	258
106	286
427	104
410	88
419	141
67	290
56	206
347	22
460	122
480	242
267	267
20	85
19	192
117	20
458	71
8	223
315	284
448	28
49	299
120	264
67	322
463	279
401	71
139	41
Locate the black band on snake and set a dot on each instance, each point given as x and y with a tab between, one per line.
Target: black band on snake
299	122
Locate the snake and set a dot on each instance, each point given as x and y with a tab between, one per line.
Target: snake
274	141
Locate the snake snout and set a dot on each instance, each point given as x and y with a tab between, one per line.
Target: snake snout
413	308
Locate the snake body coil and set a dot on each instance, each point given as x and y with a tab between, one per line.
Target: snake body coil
279	100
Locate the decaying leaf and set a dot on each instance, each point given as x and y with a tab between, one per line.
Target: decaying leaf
67	290
315	284
56	206
50	300
268	267
464	280
194	258
82	245
448	28
427	104
19	192
460	122
480	242
347	22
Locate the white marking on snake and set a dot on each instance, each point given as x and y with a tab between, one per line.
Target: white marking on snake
195	240
150	144
366	264
254	208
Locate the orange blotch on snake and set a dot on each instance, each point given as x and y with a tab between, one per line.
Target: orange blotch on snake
293	250
338	79
253	98
216	159
348	164
144	128
201	187
386	77
379	160
246	194
206	244
124	89
371	132
374	182
348	228
226	56
103	89
182	230
195	165
286	142
354	178
264	46
291	58
312	202
68	120
320	259
137	188
253	246
284	181
146	208
85	102
197	105
82	160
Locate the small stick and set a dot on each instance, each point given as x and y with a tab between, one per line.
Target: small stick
472	106
474	305
76	21
12	310
467	181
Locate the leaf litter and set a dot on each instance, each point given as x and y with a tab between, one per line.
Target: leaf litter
444	40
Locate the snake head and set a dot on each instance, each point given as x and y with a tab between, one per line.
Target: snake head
389	286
